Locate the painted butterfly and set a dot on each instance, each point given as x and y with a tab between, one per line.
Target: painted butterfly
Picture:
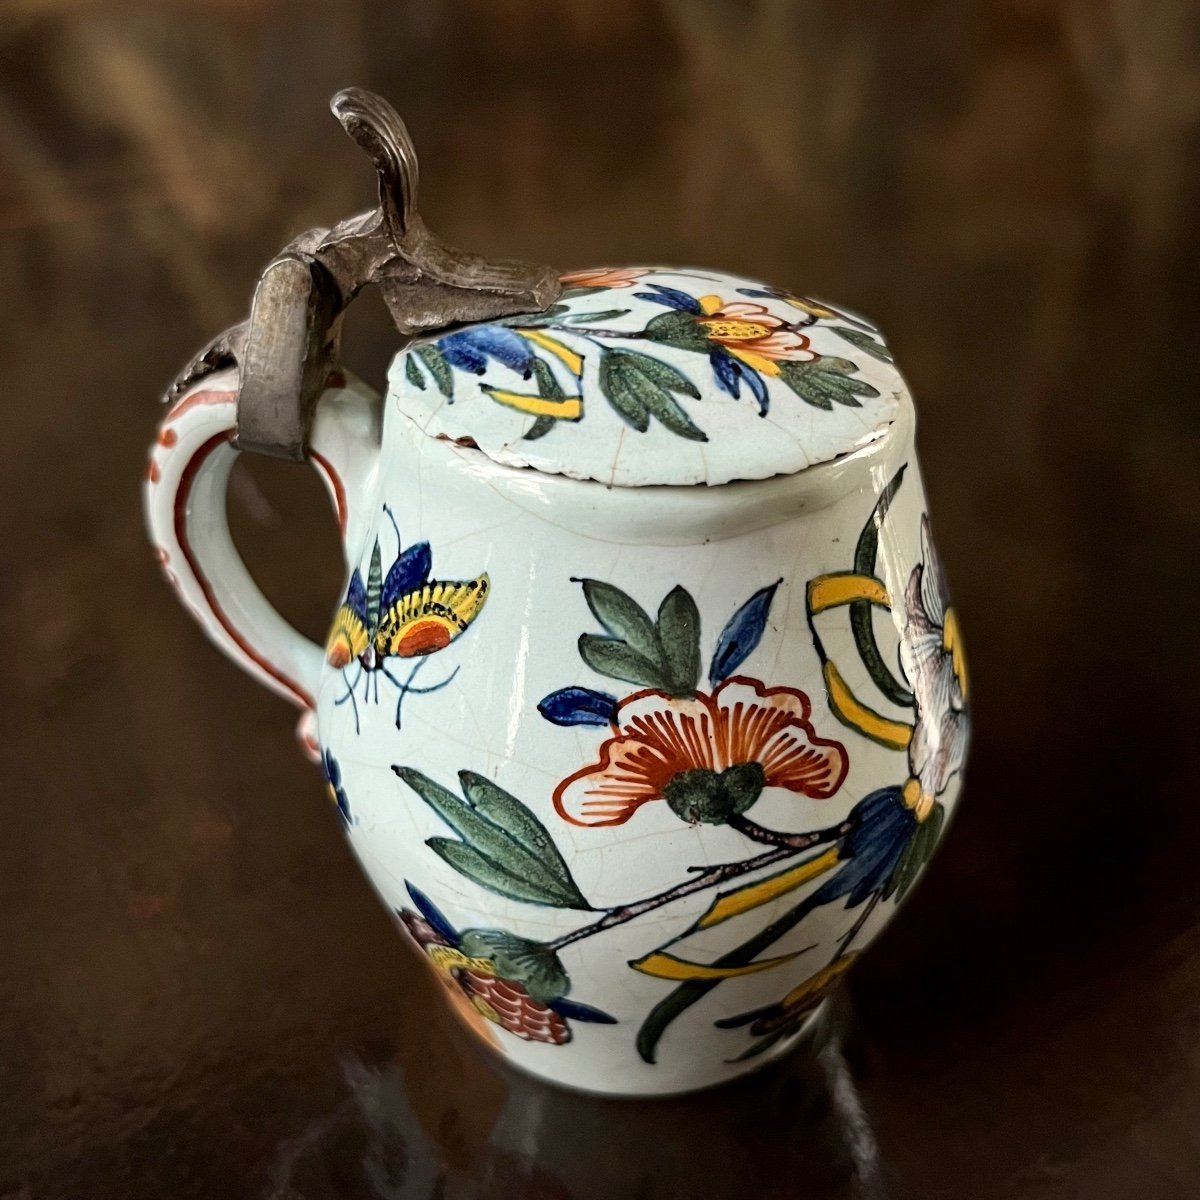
404	614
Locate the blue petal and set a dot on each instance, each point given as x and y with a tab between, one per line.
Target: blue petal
671	297
470	349
871	851
741	634
433	914
727	371
574	1011
356	596
758	387
462	355
578	706
409	572
333	772
762	293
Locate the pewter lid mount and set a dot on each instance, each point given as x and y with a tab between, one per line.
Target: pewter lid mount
630	377
657	376
288	348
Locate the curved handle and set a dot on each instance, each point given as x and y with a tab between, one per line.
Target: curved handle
189	470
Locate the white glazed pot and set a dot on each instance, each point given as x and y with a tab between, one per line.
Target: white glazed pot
640	769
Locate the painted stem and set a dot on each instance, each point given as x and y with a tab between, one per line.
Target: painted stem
588	331
771	837
713	875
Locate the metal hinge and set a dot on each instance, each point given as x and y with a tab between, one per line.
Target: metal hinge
288	347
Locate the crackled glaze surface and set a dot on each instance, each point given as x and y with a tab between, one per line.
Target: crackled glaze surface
644	376
638	773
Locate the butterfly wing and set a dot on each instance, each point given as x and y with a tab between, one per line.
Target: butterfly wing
430	618
374	587
408	574
349	637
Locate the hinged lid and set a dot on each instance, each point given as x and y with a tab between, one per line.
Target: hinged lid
642	376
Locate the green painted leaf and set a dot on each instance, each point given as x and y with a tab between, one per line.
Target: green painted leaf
497	851
865	342
678	329
801	382
539	429
468	861
679	635
925	843
659	372
639	387
620	392
609	314
548	386
917	853
831	364
861	615
935	821
663	408
906	868
619	660
534	965
456	812
435	363
622	617
826	382
505	810
534	320
413	373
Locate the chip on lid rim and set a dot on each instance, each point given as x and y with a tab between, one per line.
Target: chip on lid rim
647	376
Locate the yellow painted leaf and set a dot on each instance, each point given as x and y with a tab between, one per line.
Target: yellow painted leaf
667	966
816	985
572	361
763	891
895	735
829	591
570	408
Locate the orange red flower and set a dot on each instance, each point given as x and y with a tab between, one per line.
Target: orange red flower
480	992
752	334
602	277
658	738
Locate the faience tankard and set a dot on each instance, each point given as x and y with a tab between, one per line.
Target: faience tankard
644	705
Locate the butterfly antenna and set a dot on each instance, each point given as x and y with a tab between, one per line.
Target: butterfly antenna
391	516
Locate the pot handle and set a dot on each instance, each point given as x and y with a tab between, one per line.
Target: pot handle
188	474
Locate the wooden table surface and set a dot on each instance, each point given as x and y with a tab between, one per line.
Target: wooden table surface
199	995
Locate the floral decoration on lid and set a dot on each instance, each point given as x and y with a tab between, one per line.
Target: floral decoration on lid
642	376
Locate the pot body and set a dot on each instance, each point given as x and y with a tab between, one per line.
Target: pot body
640	771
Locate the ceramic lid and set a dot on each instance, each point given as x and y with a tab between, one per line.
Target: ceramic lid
642	376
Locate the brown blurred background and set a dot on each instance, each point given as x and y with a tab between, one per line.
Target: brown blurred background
199	996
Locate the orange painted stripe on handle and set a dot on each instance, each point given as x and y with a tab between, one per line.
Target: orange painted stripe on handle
182	494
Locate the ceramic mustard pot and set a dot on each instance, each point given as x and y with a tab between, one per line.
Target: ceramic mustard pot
644	705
